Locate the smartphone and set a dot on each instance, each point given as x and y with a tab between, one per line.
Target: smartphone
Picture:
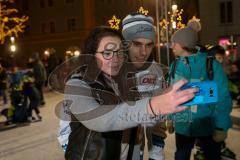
207	93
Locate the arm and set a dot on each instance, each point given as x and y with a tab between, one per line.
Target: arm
122	116
224	104
63	133
104	117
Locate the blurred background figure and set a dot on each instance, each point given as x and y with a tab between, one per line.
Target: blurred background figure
50	61
234	83
3	83
39	74
53	61
218	52
31	93
18	109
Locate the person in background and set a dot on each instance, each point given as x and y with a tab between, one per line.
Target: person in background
3	83
218	53
31	93
234	80
53	61
39	74
208	124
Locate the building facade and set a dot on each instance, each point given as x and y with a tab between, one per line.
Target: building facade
62	25
220	24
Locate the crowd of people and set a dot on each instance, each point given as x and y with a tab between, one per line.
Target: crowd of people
119	103
25	90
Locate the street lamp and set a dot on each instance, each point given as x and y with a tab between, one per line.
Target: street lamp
12	39
13	48
174	10
76	53
46	52
174	7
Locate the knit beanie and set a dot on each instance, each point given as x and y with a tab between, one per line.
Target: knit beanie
188	36
138	26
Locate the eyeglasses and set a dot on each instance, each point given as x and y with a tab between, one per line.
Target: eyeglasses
108	54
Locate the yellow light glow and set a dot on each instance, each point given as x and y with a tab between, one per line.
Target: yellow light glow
164	23
114	22
12	39
68	52
227	53
174	7
10	24
174	25
13	48
76	53
46	52
143	11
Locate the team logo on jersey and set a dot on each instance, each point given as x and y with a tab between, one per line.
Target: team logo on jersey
148	79
147	82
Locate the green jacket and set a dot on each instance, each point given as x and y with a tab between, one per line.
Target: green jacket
201	120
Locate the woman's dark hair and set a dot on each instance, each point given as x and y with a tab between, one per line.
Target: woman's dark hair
96	35
91	45
216	49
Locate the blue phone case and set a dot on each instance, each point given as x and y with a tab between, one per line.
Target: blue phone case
207	93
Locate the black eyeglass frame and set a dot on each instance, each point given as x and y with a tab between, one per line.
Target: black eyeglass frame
120	53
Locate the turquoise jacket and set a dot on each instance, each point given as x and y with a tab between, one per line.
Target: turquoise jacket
201	120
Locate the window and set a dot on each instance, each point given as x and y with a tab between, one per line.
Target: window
42	3
25	6
71	24
229	12
50	3
52	27
43	28
69	1
222	12
226	12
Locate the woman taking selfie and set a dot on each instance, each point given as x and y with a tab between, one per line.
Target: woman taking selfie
97	112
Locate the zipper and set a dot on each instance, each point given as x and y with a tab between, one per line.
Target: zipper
186	62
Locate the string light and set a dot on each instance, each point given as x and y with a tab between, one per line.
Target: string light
10	25
143	11
164	23
114	22
175	20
